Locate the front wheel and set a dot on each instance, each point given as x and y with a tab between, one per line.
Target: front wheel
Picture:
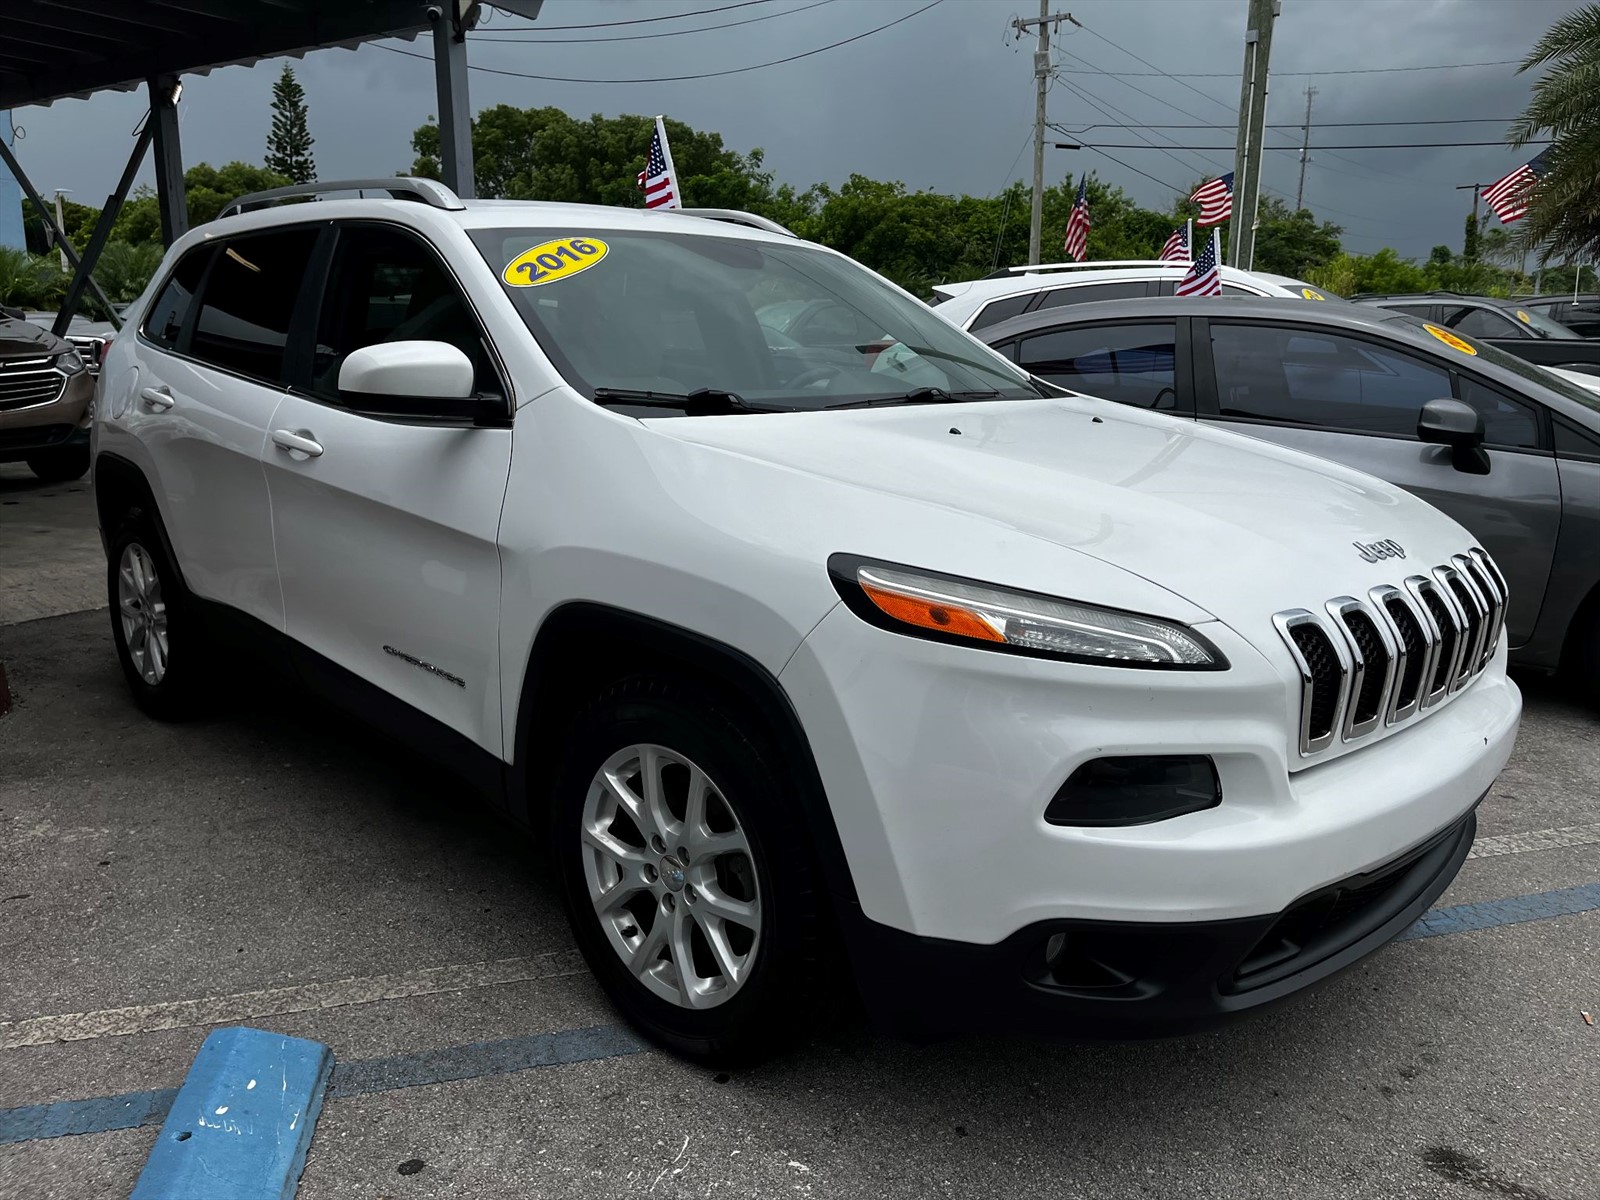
158	639
687	875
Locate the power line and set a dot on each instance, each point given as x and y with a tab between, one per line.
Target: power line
677	78
640	37
1135	170
699	12
1157	73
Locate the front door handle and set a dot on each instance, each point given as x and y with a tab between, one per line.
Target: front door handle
156	398
288	440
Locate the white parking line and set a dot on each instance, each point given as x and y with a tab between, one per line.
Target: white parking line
1538	839
244	1006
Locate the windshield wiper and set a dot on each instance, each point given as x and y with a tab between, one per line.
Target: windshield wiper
921	395
700	401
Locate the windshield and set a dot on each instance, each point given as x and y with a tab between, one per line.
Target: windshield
1507	361
1548	326
782	326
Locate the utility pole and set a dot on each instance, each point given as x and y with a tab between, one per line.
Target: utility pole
1252	127
1041	83
1305	153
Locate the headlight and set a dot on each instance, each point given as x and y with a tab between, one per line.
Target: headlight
70	363
967	613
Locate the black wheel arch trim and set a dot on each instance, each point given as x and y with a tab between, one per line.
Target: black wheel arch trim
129	472
572	623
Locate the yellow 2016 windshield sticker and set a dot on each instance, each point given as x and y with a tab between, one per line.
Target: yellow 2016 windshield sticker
1309	294
1524	317
552	261
1451	340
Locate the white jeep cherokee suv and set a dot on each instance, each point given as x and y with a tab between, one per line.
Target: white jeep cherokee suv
1026	709
977	303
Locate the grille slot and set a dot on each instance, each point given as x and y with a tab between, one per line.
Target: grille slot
1414	646
1385	659
26	382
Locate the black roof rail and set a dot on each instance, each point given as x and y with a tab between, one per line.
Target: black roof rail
399	187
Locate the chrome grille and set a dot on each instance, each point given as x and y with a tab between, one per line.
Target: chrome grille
26	382
89	348
1383	659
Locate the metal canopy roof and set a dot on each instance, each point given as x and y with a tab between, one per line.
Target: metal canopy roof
54	49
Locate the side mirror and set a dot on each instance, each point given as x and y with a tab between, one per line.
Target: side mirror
1459	426
420	380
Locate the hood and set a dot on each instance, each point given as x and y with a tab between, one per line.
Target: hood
1236	526
24	339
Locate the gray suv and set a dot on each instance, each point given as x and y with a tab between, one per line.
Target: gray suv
1507	448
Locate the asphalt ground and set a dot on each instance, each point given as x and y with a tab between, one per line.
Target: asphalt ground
277	865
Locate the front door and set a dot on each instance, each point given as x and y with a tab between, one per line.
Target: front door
1356	401
386	531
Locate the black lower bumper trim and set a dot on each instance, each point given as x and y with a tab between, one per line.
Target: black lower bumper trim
1123	980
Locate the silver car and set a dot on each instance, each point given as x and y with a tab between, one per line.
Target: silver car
1509	449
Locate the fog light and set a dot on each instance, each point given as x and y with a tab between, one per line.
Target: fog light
1136	790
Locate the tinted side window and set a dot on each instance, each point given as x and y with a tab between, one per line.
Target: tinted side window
1421	311
165	320
1229	289
1001	310
386	286
1506	422
249	302
1573	442
1084	292
1310	377
1484	323
1131	364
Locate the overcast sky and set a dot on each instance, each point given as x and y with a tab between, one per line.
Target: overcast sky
943	100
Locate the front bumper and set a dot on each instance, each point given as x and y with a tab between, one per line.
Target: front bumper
1100	979
60	422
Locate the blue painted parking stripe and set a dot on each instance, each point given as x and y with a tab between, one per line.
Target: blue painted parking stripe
1465	918
37	1122
242	1122
480	1059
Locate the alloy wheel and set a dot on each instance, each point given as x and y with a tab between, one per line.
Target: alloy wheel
671	876
143	613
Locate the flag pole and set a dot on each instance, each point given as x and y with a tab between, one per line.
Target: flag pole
666	153
1188	240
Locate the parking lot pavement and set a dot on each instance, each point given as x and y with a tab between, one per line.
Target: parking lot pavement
277	865
50	556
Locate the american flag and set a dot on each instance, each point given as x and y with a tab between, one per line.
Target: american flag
1509	196
1077	242
658	181
1215	200
1204	277
1177	246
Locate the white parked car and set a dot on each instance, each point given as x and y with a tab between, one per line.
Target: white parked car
823	668
1008	293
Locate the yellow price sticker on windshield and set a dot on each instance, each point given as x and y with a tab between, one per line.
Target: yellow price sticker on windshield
552	261
1524	317
1311	295
1451	340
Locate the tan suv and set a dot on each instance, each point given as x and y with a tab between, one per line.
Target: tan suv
45	394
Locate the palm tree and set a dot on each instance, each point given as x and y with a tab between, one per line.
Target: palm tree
1563	218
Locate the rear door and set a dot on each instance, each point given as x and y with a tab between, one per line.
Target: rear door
210	376
1356	400
386	537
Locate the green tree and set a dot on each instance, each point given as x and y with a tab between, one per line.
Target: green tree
1469	243
207	189
289	142
1292	242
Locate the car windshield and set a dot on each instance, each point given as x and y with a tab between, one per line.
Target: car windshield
782	326
1549	326
1507	361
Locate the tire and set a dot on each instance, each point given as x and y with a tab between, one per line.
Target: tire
1582	668
60	465
164	665
750	858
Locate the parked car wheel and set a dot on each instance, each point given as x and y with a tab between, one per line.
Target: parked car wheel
687	874
60	465
1582	668
157	635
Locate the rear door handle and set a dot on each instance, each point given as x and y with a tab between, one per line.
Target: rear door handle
157	398
288	440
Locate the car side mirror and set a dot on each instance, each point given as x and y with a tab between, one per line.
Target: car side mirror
1459	426
419	380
